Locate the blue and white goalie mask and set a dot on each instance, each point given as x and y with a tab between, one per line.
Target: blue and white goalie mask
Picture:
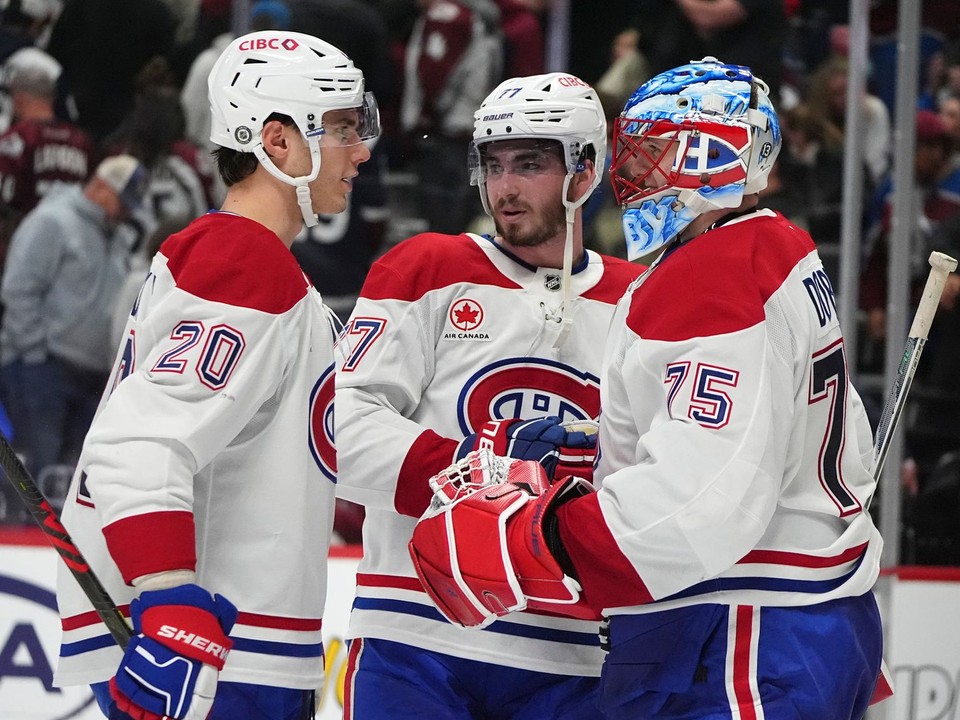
690	140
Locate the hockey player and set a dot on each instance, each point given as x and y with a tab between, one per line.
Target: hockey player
728	542
200	499
454	339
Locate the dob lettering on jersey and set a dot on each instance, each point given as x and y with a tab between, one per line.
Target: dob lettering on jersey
194	640
820	291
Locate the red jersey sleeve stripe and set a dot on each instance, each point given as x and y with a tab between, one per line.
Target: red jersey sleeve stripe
617	274
606	575
151	543
429	454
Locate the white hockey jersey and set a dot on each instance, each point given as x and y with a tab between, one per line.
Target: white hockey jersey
208	451
449	332
736	457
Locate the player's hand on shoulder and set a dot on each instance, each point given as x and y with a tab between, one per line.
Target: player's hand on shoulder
546	440
171	666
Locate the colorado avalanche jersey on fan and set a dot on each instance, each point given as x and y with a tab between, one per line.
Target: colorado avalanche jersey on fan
450	332
194	460
34	155
711	405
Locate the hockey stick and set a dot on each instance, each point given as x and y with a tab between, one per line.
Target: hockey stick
57	535
940	267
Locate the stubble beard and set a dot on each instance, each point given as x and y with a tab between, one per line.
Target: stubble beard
546	226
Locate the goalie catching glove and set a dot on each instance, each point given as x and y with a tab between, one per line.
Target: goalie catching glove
491	547
171	666
562	448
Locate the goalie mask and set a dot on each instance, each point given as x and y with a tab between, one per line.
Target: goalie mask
276	72
690	140
557	108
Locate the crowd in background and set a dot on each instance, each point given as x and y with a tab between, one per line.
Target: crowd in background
85	81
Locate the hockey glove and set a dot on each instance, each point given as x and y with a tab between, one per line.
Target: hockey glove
542	439
171	666
490	551
578	454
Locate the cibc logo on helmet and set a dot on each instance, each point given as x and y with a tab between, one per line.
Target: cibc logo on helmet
269	44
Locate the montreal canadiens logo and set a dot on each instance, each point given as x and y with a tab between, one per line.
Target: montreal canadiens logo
321	440
466	315
527	388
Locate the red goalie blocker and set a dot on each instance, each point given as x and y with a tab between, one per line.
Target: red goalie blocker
485	554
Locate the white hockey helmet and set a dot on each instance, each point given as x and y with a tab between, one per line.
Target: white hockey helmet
556	106
727	136
292	74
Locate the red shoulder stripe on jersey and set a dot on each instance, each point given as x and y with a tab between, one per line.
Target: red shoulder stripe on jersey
231	259
617	275
428	262
607	577
429	454
718	282
151	543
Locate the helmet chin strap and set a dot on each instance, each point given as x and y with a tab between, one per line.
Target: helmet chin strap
566	276
302	183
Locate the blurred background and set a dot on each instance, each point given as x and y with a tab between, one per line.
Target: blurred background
868	93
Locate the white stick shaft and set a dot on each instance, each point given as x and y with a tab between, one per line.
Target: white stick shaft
940	268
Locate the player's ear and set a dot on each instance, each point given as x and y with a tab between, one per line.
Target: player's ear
275	140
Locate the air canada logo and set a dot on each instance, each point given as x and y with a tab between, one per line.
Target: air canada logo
466	315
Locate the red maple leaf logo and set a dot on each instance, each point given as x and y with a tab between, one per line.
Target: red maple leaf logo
466	315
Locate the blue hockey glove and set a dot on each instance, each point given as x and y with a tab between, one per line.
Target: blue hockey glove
171	666
538	439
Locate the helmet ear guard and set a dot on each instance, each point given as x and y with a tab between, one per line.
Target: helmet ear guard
727	136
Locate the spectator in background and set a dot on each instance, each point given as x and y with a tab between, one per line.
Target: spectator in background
937	199
949	113
523	41
25	23
806	183
264	15
59	288
38	149
180	174
454	58
827	98
103	45
741	32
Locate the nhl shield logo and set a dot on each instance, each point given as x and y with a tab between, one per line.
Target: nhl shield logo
552	282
